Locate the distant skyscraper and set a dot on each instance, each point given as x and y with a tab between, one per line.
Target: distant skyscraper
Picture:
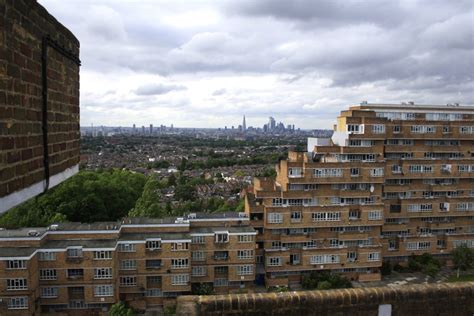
151	129
271	123
143	130
134	130
244	125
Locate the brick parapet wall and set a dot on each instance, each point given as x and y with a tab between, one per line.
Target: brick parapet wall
23	24
430	299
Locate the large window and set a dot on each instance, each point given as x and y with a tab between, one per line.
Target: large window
128	264
20	302
46	256
198	255
180	279
102	255
246	238
74	252
244	254
378	129
179	246
326	216
274	261
245	270
103	290
376	172
126	248
199	271
375	215
49	292
198	240
275	218
221	237
328	173
103	273
17	284
47	274
16	264
128	281
373	256
153	263
323	259
179	263
420	168
153	244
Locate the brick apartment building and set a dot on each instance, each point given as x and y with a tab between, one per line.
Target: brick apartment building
393	181
85	268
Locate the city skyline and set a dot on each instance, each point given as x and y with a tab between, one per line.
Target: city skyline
205	62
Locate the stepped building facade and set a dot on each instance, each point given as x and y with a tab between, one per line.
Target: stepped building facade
393	181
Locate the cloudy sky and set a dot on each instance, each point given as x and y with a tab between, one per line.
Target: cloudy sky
206	63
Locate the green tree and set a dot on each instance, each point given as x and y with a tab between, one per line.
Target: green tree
120	309
463	258
149	203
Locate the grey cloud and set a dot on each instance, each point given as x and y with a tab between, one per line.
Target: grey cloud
157	89
219	92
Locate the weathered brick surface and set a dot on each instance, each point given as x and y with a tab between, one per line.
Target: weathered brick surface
430	299
23	23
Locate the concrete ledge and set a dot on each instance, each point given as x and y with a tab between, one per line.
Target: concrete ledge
18	197
427	299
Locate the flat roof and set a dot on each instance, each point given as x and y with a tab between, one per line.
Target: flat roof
231	229
414	106
163	236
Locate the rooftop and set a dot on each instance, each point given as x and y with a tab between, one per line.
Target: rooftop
411	105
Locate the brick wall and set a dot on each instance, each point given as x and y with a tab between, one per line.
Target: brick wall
23	25
431	299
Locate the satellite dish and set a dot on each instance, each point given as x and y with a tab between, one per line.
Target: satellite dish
372	188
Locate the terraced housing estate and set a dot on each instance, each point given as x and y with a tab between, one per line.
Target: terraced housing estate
394	180
85	268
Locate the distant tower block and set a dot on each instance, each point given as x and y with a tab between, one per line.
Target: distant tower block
244	125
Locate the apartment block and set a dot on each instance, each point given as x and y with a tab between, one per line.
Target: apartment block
393	181
85	268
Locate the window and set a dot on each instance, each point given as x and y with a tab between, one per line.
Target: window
322	259
375	215
221	270
74	252
198	240
47	274
422	129
420	245
153	264
244	254
179	279
199	271
420	168
351	256
378	129
126	248
396	169
221	255
355	129
16	264
16	284
245	270
397	129
102	255
128	264
75	273
221	282
198	255
328	173
103	290
179	263
465	168
154	280
295	172
274	261
420	207
20	302
222	237
354	214
153	293
179	246
295	216
374	256
245	238
355	172
153	244
376	172
48	292
334	243
275	218
128	281
103	273
326	216
46	256
466	129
